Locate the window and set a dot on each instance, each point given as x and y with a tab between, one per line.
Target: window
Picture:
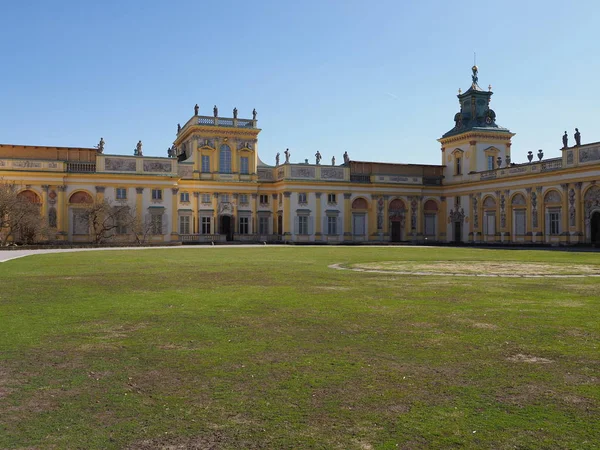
243	199
332	225
263	224
120	215
302	224
156	224
156	194
457	200
331	198
205	225
184	197
520	224
358	225
302	197
263	199
225	159
244	225
121	194
429	224
280	199
206	163
489	224
205	198
244	165
81	222
184	224
490	161
457	167
554	222
224	198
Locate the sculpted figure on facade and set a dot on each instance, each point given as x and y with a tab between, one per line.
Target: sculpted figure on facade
178	128
346	158
287	155
565	140
196	108
215	111
235	111
577	137
277	159
254	114
318	157
100	146
138	149
333	160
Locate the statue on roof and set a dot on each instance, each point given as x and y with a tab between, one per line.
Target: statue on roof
215	111
138	149
318	157
287	155
277	159
178	128
333	160
235	113
577	137
100	146
565	140
196	108
474	77
346	158
254	114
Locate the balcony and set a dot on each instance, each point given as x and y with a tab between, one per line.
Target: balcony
225	122
81	167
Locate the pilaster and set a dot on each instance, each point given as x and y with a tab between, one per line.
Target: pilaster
443	219
139	203
528	216
347	217
472	156
564	234
100	193
420	216
45	188
215	208
62	225
579	211
286	216
195	217
318	218
174	215
386	215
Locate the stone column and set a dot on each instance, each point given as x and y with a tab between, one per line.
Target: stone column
579	225
174	215
254	209
195	217
538	215
62	222
236	216
472	212
472	157
347	217
139	204
372	218
498	234
45	188
196	155
420	217
564	216
215	218
275	208
318	218
287	230
507	216
443	219
386	216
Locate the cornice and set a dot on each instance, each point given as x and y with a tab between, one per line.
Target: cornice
490	135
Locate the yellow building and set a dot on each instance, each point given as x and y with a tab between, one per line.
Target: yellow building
215	188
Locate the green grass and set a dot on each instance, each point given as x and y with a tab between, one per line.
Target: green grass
269	348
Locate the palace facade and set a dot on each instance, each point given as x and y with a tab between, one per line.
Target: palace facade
213	187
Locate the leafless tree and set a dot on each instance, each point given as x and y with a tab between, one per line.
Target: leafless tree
104	220
20	218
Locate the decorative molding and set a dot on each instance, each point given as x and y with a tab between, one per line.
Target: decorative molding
100	189
175	190
139	190
347	195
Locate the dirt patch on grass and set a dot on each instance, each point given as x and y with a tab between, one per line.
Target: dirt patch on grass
519	357
209	441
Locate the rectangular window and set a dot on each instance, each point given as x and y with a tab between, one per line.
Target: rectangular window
156	194
224	198
184	197
243	199
358	225
302	197
520	224
205	224
244	225
302	224
263	199
156	224
554	222
205	163
81	223
121	215
332	225
458	166
244	165
263	224
121	194
331	198
490	161
184	224
205	198
429	224
489	224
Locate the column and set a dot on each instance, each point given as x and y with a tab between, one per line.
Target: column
497	238
45	202
347	217
372	219
471	213
318	218
215	218
443	219
174	215
408	234
472	156
254	212
139	202
197	158
538	215
236	216
420	217
195	218
275	208
286	216
507	216
386	217
62	224
564	216
579	212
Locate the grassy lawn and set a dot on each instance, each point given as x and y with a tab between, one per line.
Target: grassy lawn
267	347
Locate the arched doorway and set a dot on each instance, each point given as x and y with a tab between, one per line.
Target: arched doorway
397	220
226	227
595	228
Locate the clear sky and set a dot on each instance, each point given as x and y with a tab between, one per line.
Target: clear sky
376	79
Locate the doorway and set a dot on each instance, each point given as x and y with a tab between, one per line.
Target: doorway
226	229
396	230
595	228
457	232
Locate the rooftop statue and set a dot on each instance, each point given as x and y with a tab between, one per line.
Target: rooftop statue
277	159
474	77
196	108
178	128
318	157
138	149
577	137
287	155
235	113
333	160
215	111
565	140
346	158
254	114
100	146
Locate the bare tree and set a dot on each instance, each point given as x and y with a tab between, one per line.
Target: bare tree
104	220
20	218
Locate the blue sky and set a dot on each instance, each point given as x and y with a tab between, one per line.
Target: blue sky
376	79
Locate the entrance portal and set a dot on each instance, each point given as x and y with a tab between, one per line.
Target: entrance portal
396	230
226	228
595	228
457	232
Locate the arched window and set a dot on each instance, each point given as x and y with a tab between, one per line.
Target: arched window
81	197
225	159
397	205
359	203
30	196
430	205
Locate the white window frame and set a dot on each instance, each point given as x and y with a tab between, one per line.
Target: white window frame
121	193
184	197
244	165
206	163
156	194
185	223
